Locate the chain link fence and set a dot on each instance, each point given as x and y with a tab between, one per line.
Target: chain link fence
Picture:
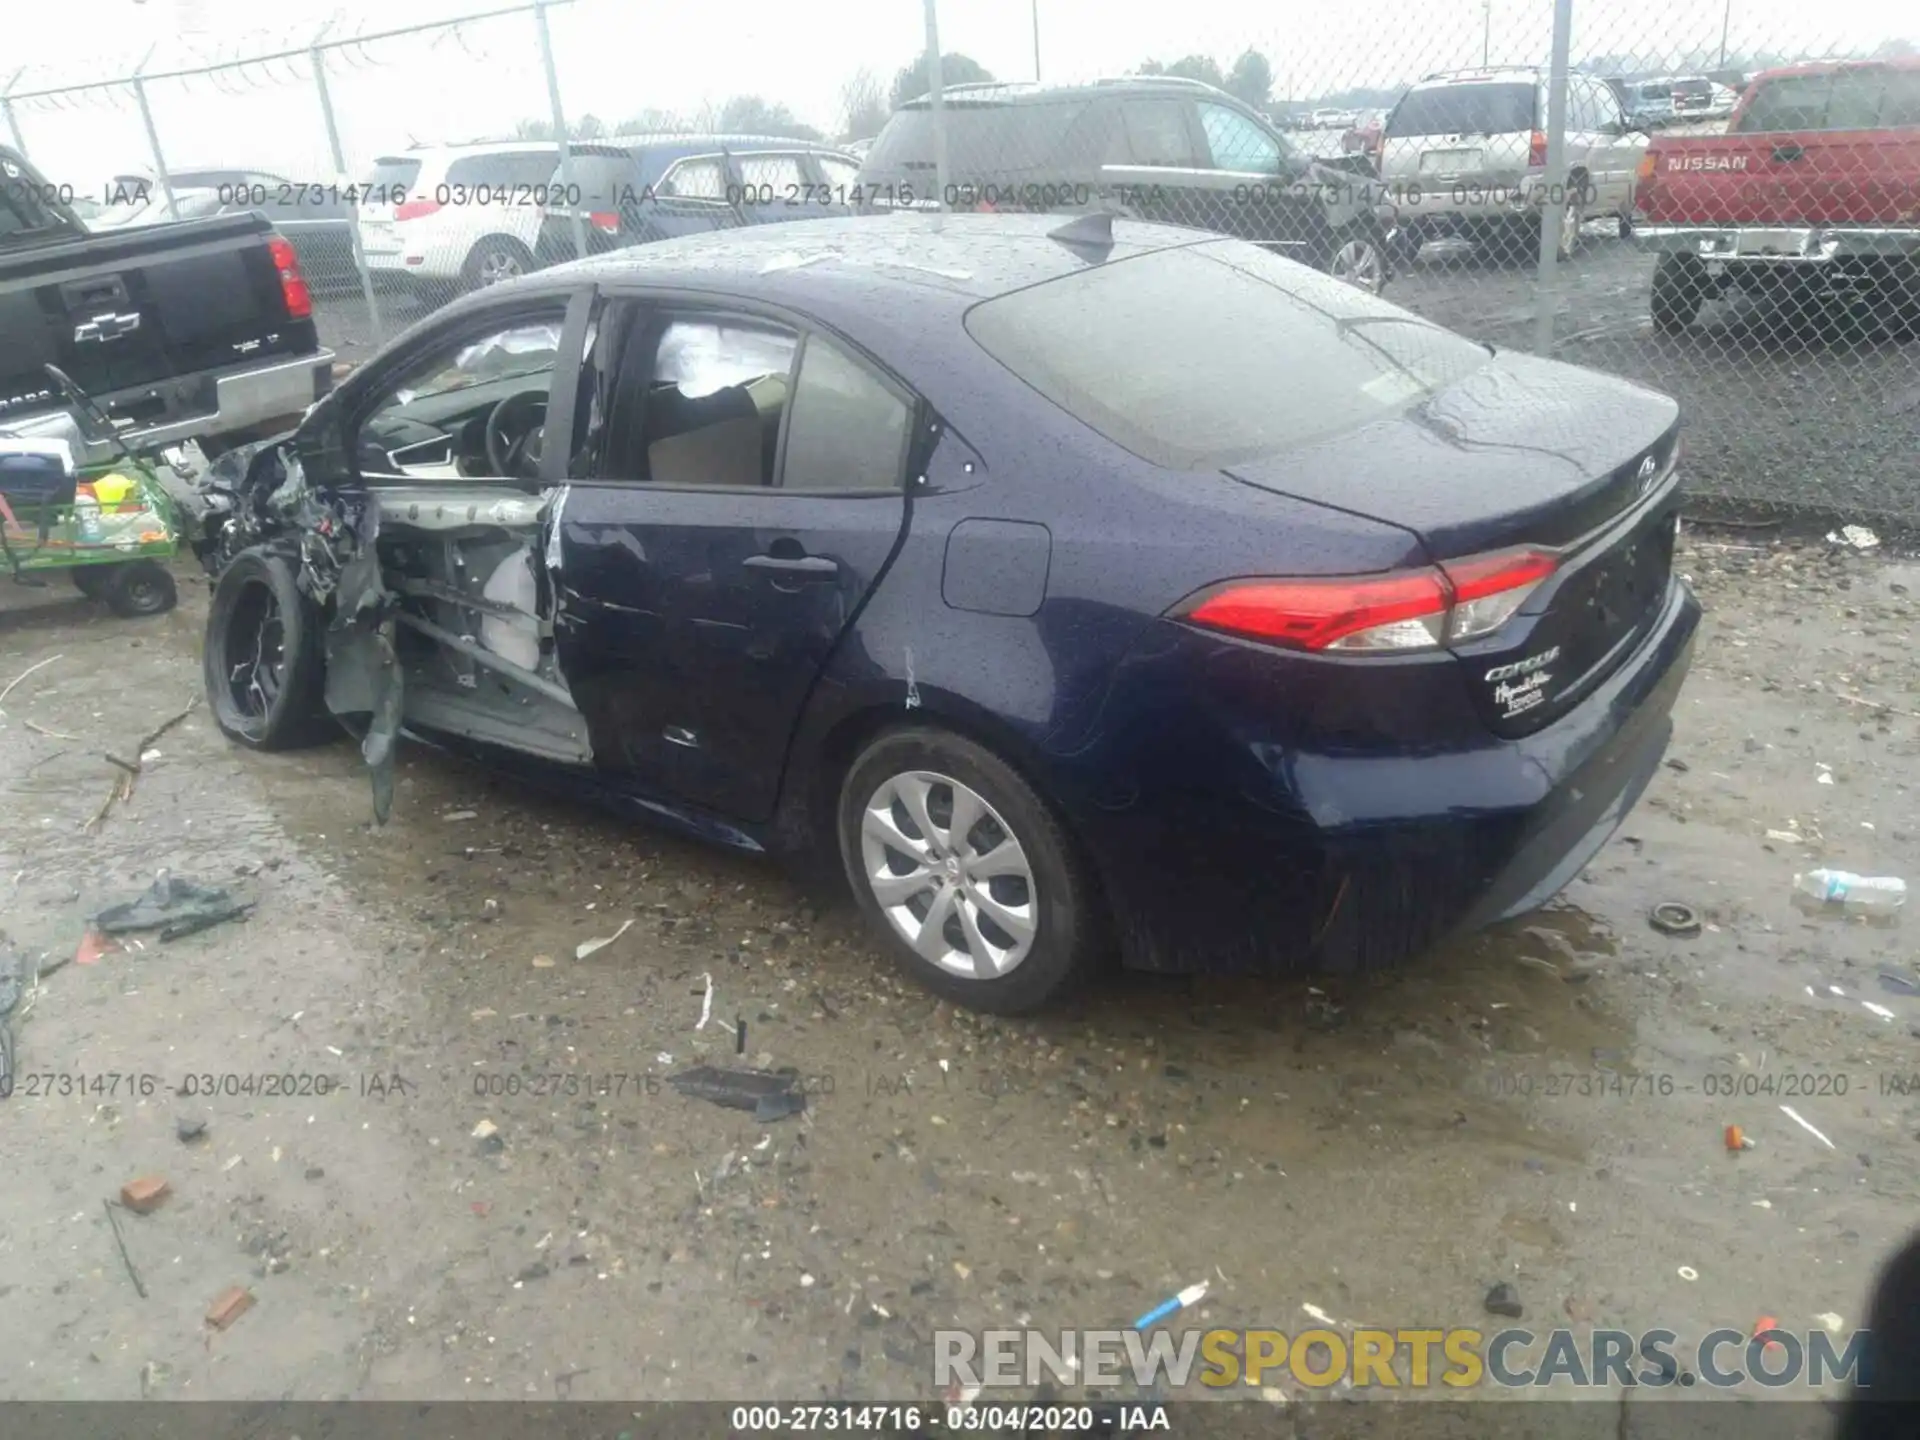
1719	200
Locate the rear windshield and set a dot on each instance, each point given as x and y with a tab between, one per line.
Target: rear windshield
982	141
1217	353
1464	110
392	173
603	179
512	171
1865	99
30	209
1694	89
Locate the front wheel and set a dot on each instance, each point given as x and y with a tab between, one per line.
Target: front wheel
962	867
263	657
1359	257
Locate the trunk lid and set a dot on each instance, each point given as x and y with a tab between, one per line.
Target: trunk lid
1826	147
1522	452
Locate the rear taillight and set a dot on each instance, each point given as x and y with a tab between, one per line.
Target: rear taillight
1537	150
416	209
293	285
1377	614
1645	169
984	207
605	221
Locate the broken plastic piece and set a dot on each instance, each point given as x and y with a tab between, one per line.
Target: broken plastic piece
769	1094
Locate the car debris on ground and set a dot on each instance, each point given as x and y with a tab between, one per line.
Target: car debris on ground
173	905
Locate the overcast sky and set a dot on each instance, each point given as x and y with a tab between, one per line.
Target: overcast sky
618	57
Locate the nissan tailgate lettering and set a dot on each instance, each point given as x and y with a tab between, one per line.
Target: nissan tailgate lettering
1706	162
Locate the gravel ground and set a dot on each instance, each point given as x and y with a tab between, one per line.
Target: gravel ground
502	1201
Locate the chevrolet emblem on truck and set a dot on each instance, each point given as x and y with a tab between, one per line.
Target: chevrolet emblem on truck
102	328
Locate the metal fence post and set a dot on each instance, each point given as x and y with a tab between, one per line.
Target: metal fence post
318	59
153	137
1552	212
939	113
560	128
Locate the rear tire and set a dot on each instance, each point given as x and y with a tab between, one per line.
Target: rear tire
1359	256
1680	288
139	588
264	661
1017	925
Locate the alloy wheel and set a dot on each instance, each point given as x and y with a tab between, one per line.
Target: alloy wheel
1359	263
256	656
949	874
499	265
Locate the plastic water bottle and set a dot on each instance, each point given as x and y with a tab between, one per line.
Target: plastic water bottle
1857	894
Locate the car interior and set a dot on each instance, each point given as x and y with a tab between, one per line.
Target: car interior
716	393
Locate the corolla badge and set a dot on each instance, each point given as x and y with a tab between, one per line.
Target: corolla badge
1521	685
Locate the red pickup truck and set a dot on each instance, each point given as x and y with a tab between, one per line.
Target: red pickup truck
1813	190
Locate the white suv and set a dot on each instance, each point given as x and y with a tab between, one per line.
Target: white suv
457	217
1466	154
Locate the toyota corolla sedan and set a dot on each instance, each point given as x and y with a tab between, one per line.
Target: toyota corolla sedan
1072	588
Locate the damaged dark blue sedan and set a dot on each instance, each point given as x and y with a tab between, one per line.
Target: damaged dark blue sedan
1073	587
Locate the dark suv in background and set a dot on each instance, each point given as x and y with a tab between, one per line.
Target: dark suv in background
653	187
1156	148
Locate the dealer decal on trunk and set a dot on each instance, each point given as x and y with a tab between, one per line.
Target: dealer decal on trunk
1520	686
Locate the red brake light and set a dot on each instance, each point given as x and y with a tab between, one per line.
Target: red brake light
415	209
605	221
293	285
1374	614
1537	150
985	207
1332	614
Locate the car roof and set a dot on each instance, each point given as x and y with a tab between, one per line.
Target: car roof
697	142
1510	74
1830	67
490	147
1031	92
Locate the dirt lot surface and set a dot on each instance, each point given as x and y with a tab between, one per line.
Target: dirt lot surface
1542	1105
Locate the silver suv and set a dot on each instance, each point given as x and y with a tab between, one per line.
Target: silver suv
1466	154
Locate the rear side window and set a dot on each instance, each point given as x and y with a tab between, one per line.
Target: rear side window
1492	109
510	171
695	180
603	181
983	141
771	179
1157	134
1865	99
1217	353
847	430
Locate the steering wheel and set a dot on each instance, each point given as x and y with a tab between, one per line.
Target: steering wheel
507	452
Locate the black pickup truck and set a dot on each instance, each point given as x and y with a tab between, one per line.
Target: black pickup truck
195	330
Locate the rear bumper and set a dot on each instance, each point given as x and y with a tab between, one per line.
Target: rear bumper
1810	245
1283	857
195	406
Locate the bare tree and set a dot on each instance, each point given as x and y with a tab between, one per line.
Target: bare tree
863	106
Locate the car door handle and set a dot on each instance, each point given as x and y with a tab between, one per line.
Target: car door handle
795	567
